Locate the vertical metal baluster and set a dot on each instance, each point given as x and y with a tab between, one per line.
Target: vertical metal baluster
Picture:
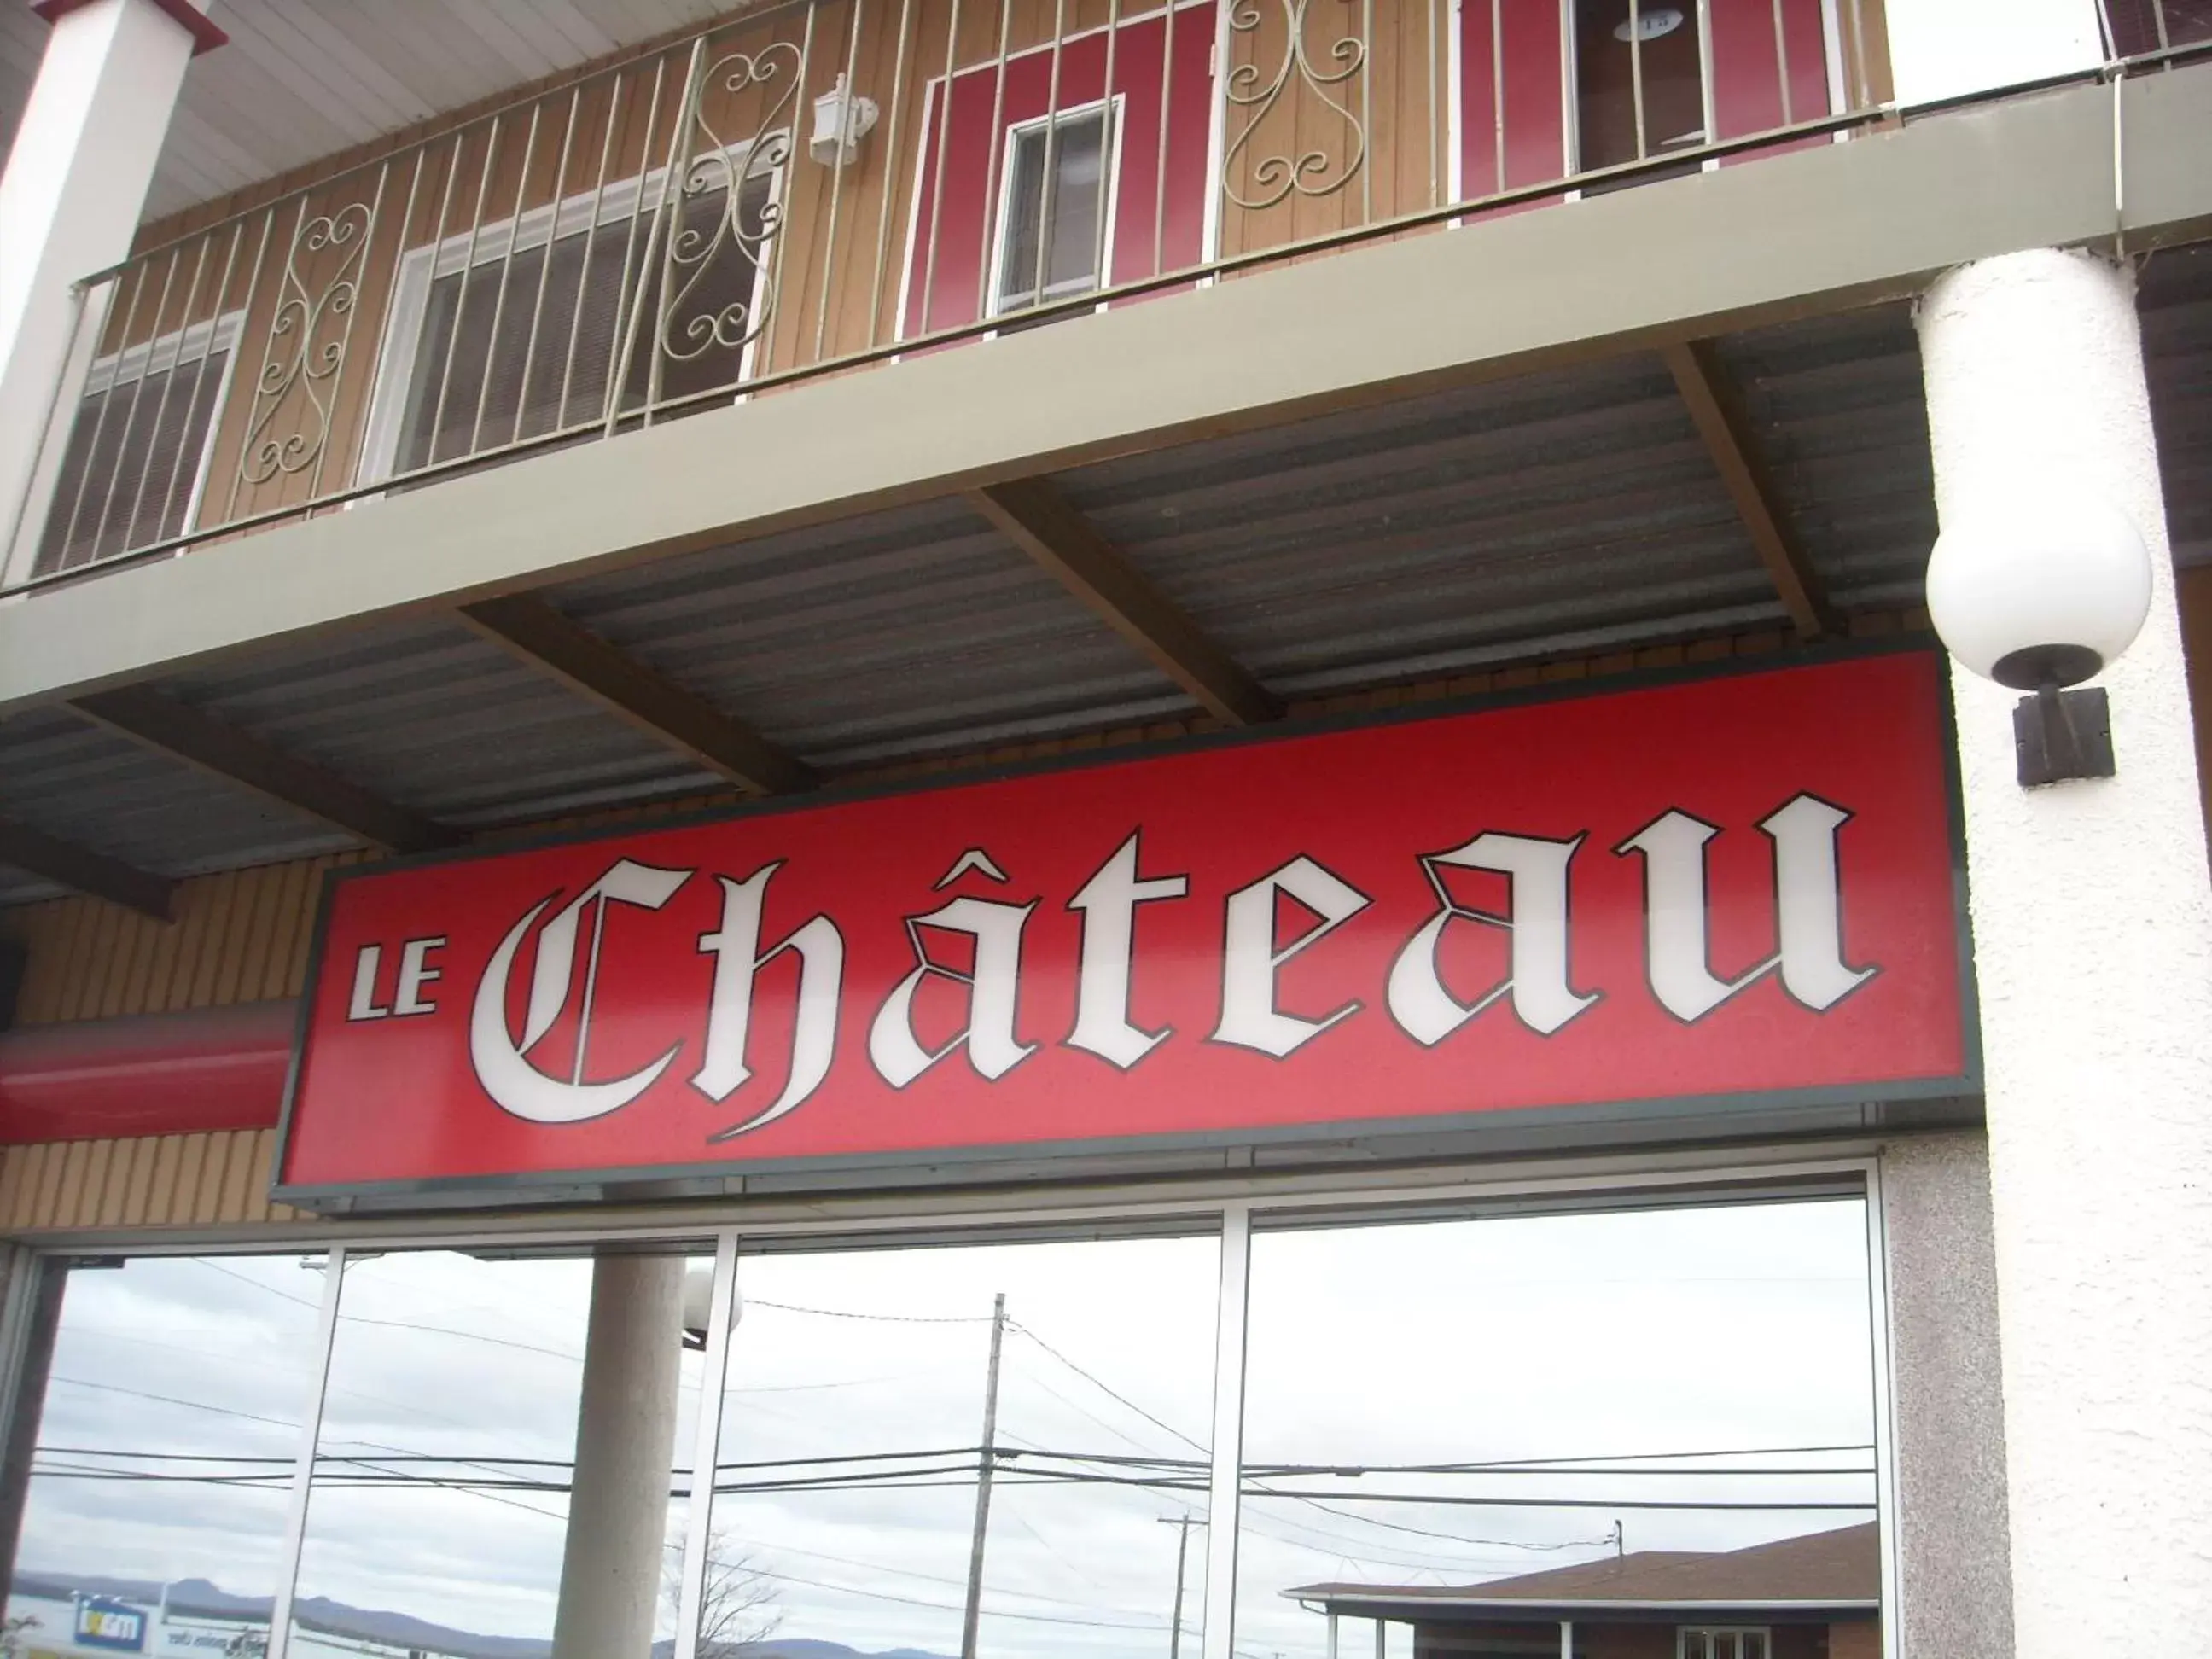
619	335
987	284
2158	16
630	300
1435	114
1782	60
764	358
1497	84
1571	128
1109	180
461	298
891	172
506	271
245	321
937	177
1862	82
392	297
1366	111
168	387
591	246
100	420
1636	71
675	189
1160	162
1708	102
353	311
1048	185
199	368
545	265
413	358
837	185
137	394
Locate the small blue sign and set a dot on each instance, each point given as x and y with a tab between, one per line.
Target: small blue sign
113	1627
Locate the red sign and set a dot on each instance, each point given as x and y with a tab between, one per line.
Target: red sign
1740	888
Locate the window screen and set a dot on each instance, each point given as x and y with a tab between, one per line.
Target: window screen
134	458
1061	209
496	364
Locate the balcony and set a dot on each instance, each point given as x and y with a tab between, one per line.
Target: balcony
813	188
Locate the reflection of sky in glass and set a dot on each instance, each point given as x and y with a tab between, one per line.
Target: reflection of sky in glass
1103	1339
1612	1336
1541	1337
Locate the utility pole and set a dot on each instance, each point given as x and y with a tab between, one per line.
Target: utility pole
1183	1523
988	1457
1619	1539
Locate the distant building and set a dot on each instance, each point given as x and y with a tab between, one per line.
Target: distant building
1816	1597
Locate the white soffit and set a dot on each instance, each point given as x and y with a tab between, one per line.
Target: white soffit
306	78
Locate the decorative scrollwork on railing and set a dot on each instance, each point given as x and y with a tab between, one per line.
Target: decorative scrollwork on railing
1312	173
306	346
692	324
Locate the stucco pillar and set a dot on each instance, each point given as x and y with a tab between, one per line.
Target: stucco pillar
2093	950
610	1566
76	183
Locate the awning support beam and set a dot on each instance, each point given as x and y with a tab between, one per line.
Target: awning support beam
86	871
1041	521
1724	422
549	640
236	756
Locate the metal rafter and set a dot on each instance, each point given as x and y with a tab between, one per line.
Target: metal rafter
1718	408
547	639
84	870
218	747
1042	522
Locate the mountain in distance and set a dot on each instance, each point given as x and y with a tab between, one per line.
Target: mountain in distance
197	1598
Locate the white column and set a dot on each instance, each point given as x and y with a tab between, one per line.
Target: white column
2093	950
70	199
611	1562
1949	48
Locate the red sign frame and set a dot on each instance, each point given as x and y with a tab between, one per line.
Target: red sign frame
1724	893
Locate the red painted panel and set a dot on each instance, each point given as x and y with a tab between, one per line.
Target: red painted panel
213	1068
1747	64
1534	140
1390	925
958	220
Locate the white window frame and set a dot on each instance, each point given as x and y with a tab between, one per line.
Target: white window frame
1703	1635
1002	209
164	354
420	268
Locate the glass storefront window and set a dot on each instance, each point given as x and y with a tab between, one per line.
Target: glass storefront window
1435	1403
154	1518
853	1432
1463	1402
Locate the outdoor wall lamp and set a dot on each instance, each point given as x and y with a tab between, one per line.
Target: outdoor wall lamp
2039	592
842	118
699	1305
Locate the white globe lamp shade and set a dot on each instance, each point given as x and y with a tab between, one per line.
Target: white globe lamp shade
2033	590
699	1299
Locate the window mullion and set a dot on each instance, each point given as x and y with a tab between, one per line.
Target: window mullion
1226	1474
303	1472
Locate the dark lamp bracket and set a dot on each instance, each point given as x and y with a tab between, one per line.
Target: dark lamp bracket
2062	734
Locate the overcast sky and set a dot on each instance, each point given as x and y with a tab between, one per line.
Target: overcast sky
1551	1337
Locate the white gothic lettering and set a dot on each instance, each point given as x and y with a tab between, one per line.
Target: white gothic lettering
1255	945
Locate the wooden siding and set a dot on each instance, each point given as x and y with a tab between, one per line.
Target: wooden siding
244	936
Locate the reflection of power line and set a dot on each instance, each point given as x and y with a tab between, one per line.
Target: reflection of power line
1107	1388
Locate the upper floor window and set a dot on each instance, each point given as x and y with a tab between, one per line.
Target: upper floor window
1054	168
517	331
1721	1641
1548	92
2138	26
139	452
1055	208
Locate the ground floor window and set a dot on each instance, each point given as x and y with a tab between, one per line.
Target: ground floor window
1265	1428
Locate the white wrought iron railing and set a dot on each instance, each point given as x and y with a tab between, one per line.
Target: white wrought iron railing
821	184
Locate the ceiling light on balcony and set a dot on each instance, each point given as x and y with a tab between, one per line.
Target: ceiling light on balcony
842	118
1649	24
